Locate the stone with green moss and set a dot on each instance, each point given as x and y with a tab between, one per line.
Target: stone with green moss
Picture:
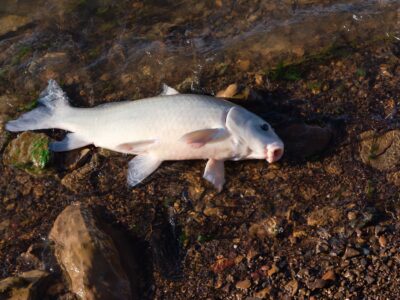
29	151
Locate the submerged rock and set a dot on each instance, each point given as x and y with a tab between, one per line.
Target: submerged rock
381	152
25	286
12	23
28	151
88	256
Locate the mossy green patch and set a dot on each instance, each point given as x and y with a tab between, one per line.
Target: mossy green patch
287	73
360	72
107	26
29	151
94	53
40	155
183	239
204	238
29	106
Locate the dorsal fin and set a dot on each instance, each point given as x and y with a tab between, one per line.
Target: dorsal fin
53	96
167	90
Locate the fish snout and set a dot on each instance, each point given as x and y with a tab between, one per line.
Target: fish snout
274	152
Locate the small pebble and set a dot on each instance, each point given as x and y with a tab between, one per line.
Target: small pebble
244	284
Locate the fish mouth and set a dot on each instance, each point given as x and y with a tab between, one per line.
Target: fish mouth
274	153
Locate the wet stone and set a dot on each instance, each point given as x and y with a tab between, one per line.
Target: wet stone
72	159
380	151
80	179
84	252
243	285
292	287
12	23
351	252
28	151
329	276
317	284
394	178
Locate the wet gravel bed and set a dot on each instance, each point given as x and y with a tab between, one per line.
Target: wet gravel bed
319	227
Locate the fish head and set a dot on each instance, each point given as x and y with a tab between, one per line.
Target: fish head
255	133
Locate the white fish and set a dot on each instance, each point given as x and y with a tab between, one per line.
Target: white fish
170	126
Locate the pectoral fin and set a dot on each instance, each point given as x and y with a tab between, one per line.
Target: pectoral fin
215	173
199	138
70	142
140	167
138	147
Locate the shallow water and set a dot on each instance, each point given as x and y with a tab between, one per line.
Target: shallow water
137	45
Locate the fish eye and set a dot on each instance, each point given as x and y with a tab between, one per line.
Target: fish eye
265	127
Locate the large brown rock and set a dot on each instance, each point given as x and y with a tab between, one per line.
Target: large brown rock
380	151
88	256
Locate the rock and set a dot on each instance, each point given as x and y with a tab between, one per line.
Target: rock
28	151
229	92
351	252
323	216
71	160
26	286
88	256
291	287
382	241
351	215
79	179
262	294
329	276
381	152
394	178
271	271
269	227
212	212
221	264
302	140
4	225
243	285
12	23
334	168
317	284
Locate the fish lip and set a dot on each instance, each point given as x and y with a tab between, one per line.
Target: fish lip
271	158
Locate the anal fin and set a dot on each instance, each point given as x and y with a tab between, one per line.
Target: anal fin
70	142
140	167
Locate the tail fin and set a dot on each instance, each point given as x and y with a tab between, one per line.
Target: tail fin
52	103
